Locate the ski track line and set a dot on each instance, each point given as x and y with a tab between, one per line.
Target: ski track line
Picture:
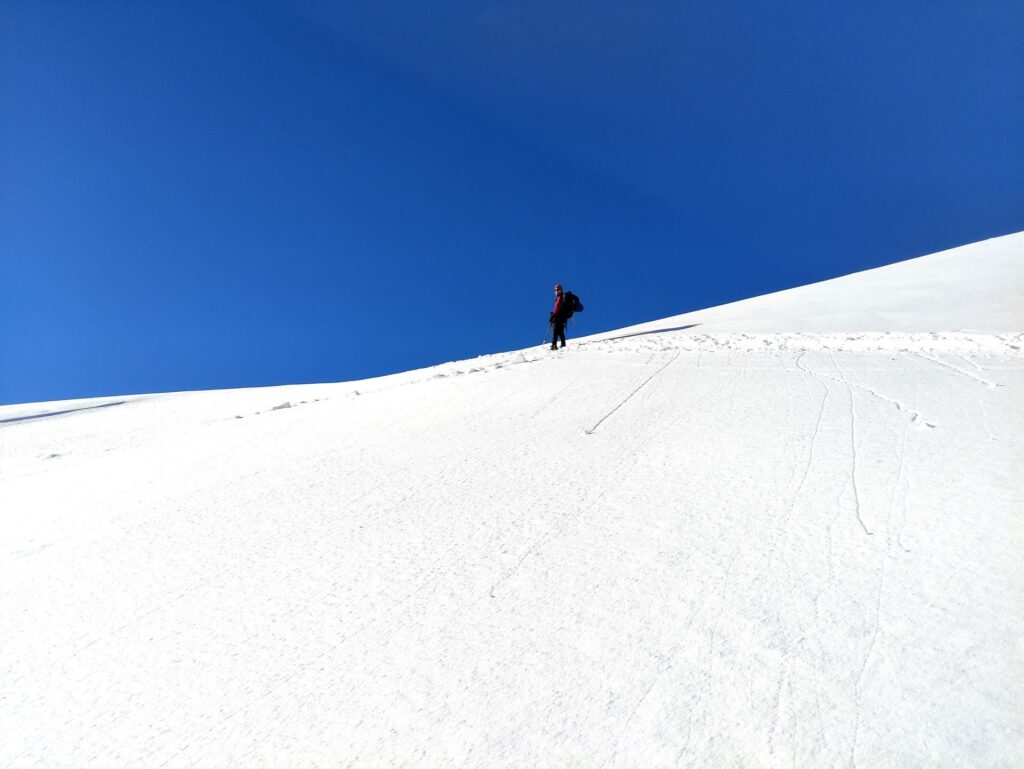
712	631
666	665
555	397
814	438
958	370
977	398
857	686
853	447
963	387
626	399
667	659
540	542
914	414
906	489
786	535
559	530
984	418
830	555
969	362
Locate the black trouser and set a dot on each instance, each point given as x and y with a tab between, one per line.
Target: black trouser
557	331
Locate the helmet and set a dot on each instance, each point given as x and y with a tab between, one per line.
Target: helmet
558	287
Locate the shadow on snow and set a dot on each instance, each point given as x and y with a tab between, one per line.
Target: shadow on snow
57	413
652	331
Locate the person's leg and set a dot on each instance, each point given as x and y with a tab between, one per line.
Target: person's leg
557	330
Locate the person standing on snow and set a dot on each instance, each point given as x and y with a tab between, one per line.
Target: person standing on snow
559	315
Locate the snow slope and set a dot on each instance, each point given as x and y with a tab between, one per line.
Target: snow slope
787	535
972	288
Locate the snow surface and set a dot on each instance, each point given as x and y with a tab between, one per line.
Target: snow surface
789	534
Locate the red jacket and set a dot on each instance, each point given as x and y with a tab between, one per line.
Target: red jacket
558	313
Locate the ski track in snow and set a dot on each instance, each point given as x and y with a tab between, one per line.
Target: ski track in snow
626	400
853	444
957	369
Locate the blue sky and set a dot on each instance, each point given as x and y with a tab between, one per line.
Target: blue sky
209	195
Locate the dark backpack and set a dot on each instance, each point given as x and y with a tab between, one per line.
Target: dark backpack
572	304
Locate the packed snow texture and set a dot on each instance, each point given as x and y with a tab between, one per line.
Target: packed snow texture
783	532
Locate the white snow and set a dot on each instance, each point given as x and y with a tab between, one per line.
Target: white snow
972	288
788	535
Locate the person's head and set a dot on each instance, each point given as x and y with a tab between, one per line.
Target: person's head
558	288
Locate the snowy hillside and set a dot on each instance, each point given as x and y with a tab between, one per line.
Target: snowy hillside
783	532
969	289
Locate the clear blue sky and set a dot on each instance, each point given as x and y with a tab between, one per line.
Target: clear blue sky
208	195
